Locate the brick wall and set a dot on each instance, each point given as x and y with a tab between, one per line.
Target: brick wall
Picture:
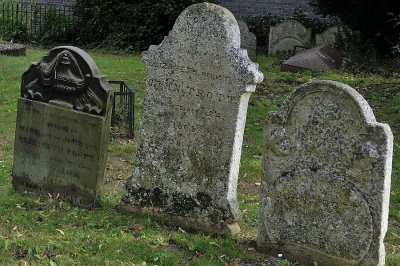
256	7
50	2
238	7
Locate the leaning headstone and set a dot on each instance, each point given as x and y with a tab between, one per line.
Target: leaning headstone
248	40
287	35
198	85
327	37
62	127
326	178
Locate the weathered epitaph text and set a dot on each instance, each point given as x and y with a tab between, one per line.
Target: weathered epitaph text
198	85
62	127
326	178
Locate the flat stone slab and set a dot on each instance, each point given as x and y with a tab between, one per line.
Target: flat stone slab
62	127
14	49
190	138
326	178
318	58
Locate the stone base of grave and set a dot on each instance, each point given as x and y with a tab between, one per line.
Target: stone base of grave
193	223
14	49
71	194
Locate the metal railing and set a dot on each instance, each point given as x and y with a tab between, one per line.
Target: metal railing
123	107
29	18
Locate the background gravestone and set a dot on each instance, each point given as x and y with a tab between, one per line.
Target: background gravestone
198	85
248	40
62	127
327	37
285	36
326	178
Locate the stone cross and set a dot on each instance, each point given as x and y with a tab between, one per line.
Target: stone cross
326	178
62	128
190	138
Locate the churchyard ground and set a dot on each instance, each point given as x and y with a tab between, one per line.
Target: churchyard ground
47	231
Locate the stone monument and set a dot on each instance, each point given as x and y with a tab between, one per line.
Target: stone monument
285	36
190	137
62	127
327	37
248	40
326	178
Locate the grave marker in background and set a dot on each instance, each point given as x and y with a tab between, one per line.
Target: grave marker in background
248	40
198	85
327	37
285	36
326	178
62	127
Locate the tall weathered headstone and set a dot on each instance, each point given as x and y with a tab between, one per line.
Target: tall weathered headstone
285	36
326	178
198	85
248	40
327	37
62	127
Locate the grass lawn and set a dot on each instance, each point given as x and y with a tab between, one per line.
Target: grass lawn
47	231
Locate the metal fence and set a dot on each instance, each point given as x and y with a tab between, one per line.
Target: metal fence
123	115
32	18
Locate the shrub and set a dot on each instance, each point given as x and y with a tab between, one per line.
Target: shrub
370	17
13	26
55	28
124	24
260	25
317	24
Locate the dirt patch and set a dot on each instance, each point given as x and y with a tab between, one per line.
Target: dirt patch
248	186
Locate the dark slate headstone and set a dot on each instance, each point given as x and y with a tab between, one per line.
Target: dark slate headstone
62	127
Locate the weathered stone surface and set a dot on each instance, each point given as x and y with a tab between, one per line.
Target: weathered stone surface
328	37
62	127
318	58
248	40
14	49
198	85
326	178
285	36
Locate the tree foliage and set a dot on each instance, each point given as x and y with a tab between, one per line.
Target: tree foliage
374	19
131	25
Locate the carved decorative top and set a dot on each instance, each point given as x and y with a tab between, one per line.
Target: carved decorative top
68	77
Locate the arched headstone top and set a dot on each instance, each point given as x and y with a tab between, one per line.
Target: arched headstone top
67	76
222	27
329	87
286	35
205	33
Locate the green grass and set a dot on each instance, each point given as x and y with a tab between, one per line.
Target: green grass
47	231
